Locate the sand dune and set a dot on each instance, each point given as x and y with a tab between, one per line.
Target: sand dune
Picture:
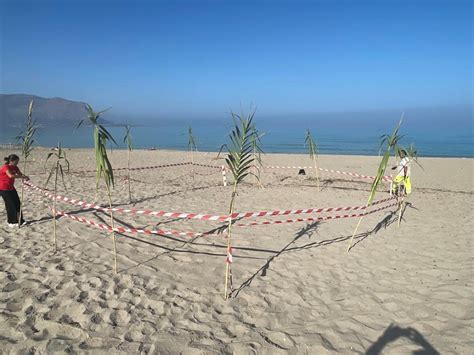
399	290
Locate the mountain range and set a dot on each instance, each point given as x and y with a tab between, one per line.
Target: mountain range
54	111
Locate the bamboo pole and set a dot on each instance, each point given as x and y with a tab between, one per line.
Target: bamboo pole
229	236
353	234
317	175
113	226
192	163
20	213
357	227
54	208
128	169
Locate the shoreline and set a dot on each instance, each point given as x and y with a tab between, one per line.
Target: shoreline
17	148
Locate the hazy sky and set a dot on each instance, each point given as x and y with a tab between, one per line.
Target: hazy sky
200	58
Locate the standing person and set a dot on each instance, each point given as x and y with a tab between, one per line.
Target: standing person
8	173
403	174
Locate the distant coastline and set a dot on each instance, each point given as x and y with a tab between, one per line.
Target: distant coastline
15	147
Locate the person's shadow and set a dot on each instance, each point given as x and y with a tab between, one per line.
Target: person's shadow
393	332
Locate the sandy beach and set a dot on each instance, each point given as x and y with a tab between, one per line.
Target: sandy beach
295	288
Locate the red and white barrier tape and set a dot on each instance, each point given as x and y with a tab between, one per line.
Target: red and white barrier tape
84	205
224	177
315	219
306	211
171	232
155	167
208	217
207	166
132	230
384	178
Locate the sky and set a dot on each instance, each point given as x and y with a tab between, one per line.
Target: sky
199	59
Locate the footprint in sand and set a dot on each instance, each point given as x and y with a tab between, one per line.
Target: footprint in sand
120	318
12	286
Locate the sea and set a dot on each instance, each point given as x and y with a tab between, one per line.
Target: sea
277	137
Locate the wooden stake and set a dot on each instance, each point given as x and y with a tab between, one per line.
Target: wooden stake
229	235
128	168
353	234
317	174
20	214
54	209
113	233
192	164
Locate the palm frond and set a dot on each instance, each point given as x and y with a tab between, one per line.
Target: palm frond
240	159
101	137
103	166
412	153
390	145
49	177
310	143
191	140
26	136
256	141
61	164
128	138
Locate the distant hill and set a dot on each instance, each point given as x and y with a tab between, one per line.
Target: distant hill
47	112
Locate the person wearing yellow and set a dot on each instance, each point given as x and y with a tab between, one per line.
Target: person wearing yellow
403	174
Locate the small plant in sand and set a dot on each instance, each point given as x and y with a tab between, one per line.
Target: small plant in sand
390	142
61	165
26	139
103	167
192	148
256	141
128	140
240	160
310	143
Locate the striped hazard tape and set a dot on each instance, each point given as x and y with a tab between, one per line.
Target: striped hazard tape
170	232
201	216
108	228
361	176
315	219
154	167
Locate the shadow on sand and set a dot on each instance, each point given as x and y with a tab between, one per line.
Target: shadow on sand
308	230
220	247
394	332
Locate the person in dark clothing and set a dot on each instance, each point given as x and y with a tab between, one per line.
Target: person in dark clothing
8	173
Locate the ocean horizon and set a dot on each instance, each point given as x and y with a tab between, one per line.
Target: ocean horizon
277	138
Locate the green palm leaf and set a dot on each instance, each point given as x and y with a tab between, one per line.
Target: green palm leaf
103	166
128	138
240	160
390	144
